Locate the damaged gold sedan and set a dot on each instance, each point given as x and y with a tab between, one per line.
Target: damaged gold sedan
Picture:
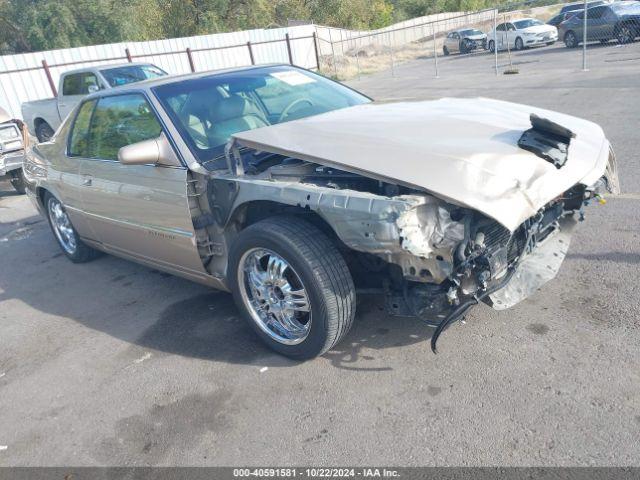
295	192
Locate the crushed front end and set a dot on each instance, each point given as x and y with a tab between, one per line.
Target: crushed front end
499	267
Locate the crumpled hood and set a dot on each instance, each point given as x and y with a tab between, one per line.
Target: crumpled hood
464	151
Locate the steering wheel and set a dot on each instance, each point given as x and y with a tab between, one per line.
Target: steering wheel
286	110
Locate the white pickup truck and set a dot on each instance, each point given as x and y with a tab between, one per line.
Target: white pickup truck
43	117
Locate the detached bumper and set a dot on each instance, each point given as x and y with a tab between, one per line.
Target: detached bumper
11	161
536	269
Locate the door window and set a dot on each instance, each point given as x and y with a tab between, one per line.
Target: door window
500	27
119	121
595	13
79	83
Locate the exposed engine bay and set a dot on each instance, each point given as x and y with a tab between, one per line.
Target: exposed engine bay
430	258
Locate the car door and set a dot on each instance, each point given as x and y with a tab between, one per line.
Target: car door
500	36
455	42
510	35
65	167
596	24
137	211
75	86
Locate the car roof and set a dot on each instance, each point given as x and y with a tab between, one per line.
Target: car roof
106	66
155	82
579	5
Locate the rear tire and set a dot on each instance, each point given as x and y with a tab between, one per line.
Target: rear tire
44	132
18	182
306	261
625	34
68	239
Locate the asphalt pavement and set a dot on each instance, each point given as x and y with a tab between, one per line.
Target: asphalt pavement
112	363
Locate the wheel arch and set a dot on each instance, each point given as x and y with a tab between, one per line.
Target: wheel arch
253	211
39	121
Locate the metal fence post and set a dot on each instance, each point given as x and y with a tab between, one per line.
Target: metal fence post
128	54
495	38
393	66
435	50
253	60
47	72
584	38
190	57
315	47
288	40
333	55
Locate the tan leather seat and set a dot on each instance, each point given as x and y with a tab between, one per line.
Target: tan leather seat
233	115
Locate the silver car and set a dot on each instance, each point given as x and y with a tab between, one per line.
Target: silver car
464	41
295	193
12	140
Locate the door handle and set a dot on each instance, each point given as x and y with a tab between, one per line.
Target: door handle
87	181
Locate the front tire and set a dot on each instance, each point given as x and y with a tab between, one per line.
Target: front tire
445	50
72	246
18	182
492	46
292	285
570	40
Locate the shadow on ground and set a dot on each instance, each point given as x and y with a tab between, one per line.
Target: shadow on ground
119	298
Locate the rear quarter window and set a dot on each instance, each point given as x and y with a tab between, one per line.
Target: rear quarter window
79	142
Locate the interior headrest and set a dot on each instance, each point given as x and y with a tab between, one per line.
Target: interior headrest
232	107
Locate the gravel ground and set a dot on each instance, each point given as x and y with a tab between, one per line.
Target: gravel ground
111	363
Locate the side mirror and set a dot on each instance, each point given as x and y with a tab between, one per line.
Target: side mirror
93	88
157	151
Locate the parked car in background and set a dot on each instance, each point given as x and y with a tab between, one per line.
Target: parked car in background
464	41
521	33
43	117
617	20
572	9
291	190
11	151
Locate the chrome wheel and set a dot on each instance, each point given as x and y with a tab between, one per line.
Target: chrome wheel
274	295
62	226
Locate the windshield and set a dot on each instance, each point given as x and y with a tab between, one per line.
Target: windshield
208	110
471	31
520	24
130	74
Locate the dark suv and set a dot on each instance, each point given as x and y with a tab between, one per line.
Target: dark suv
619	20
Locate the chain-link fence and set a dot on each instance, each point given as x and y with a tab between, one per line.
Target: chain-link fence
503	35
